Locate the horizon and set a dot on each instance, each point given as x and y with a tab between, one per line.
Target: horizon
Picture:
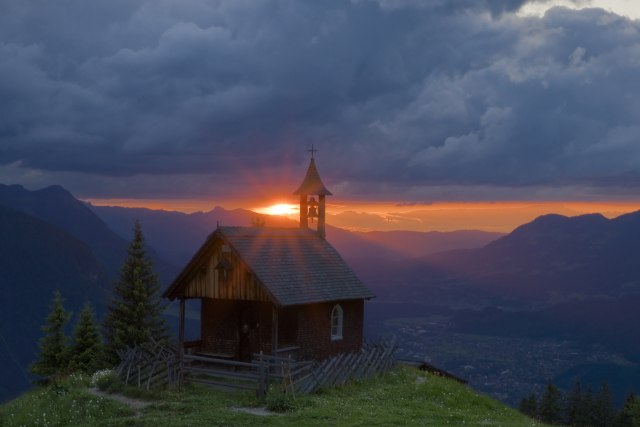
495	216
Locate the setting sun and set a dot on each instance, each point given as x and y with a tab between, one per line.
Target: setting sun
278	209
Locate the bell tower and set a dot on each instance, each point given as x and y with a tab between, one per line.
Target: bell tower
311	208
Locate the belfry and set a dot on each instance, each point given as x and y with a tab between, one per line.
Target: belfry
310	208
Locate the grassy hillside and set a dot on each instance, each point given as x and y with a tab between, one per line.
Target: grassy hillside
405	396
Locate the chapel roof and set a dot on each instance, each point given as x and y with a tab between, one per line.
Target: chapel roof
294	265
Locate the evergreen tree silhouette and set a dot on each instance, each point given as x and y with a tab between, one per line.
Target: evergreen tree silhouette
529	405
603	411
550	410
87	352
135	313
585	416
53	347
629	416
574	404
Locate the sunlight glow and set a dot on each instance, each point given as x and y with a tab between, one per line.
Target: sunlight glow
500	216
278	209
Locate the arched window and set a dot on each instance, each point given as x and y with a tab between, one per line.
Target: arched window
336	322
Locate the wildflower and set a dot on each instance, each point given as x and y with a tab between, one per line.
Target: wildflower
99	375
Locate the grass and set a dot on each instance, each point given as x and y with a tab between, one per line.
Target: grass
64	403
404	396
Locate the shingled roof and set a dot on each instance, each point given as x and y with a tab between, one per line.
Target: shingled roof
294	265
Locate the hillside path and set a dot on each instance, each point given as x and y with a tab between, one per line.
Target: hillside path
135	404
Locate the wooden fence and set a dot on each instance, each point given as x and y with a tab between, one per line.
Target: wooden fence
149	365
372	359
155	365
232	374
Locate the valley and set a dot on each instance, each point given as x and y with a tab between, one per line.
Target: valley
506	368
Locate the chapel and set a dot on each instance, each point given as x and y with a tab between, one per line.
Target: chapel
279	291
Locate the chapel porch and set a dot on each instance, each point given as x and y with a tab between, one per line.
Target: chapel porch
237	330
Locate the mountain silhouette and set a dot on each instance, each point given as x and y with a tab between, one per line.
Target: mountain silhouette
552	257
177	235
55	205
37	258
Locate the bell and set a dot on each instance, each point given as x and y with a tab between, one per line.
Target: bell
313	211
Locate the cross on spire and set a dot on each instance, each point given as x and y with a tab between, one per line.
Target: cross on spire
312	151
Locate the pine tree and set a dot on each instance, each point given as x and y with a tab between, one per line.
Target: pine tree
603	411
585	415
632	408
135	313
574	404
529	406
626	416
550	409
53	355
87	351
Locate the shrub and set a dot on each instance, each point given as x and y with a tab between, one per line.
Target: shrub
278	401
108	381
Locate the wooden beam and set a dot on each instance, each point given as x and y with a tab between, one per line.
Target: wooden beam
303	211
274	330
181	333
321	217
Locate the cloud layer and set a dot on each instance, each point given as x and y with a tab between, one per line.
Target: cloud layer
135	98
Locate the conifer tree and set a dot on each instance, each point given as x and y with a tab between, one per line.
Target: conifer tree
529	406
53	354
585	415
135	312
550	409
87	351
603	411
574	404
629	415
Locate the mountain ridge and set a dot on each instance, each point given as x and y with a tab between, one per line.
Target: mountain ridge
37	258
57	206
553	254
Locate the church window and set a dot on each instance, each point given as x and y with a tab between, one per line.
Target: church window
336	322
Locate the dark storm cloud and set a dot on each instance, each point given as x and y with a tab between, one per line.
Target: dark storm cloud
397	93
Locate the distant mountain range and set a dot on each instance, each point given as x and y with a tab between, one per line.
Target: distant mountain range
58	207
553	258
176	235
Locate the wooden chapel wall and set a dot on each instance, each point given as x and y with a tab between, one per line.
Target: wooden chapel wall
208	282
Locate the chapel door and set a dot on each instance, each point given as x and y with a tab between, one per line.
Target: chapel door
249	332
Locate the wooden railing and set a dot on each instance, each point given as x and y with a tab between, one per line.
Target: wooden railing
371	359
233	374
219	372
157	364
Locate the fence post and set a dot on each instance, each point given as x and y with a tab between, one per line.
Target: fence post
262	377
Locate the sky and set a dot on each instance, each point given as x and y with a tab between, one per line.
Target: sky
415	106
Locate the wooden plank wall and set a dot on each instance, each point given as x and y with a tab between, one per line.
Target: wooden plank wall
207	282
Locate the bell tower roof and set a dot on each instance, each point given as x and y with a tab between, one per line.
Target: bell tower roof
312	183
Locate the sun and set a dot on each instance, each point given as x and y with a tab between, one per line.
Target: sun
278	209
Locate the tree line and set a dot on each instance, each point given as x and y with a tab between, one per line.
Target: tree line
579	407
134	316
